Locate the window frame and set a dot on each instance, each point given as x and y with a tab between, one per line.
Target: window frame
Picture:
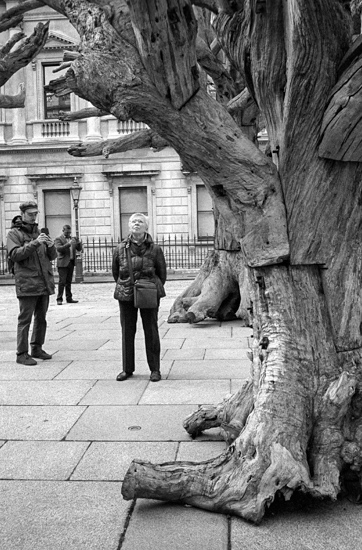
44	64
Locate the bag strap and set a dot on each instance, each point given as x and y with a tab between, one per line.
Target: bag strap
129	261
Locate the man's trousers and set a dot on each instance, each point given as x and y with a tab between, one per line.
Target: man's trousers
29	306
65	281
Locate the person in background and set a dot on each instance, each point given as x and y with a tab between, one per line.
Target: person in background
147	262
16	221
66	247
30	253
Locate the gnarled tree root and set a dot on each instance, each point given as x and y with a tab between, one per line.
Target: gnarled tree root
216	292
230	415
236	482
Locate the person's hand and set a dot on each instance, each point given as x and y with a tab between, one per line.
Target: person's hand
42	238
49	242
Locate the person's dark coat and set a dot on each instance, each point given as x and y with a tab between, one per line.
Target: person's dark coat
63	250
32	261
148	262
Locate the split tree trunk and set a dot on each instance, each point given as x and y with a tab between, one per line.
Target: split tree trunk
298	222
294	435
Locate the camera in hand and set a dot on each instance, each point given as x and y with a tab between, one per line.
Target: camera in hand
45	230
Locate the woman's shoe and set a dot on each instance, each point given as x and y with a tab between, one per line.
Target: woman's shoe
123	376
155	376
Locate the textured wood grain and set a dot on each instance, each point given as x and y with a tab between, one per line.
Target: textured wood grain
166	35
341	132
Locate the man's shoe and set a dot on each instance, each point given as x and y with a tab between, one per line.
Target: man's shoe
155	376
25	359
60	302
72	301
41	354
123	376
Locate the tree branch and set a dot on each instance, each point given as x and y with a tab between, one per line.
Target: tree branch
15	101
19	58
136	140
215	68
14	16
11	43
90	112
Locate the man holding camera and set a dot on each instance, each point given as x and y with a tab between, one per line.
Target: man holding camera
30	253
66	247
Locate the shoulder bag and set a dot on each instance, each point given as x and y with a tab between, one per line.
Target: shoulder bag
145	291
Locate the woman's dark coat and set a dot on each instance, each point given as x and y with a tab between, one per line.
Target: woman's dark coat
148	262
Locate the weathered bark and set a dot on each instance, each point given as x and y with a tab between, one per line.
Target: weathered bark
272	448
14	16
230	415
83	113
13	101
341	132
215	292
136	140
12	61
287	230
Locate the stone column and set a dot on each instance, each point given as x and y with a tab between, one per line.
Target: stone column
18	121
93	128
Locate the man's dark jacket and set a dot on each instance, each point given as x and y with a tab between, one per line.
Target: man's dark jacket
32	261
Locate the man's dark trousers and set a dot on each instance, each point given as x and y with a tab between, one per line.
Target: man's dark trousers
128	314
29	306
65	281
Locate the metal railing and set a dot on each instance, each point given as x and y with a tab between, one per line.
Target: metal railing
180	253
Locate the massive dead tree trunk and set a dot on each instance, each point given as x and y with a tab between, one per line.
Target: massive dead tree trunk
288	230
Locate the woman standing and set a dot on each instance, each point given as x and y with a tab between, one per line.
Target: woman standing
147	262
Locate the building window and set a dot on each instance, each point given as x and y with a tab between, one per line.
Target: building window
57	210
131	200
205	215
53	104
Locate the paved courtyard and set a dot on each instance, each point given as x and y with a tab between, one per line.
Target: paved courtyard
68	432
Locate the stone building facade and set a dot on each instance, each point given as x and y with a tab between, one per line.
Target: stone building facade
34	163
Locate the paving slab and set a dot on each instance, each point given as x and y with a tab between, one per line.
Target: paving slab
40	459
37	423
44	392
111	392
93	355
197	451
44	370
196	331
211	343
322	525
209	369
53	333
107	369
110	461
10	355
79	343
185	353
224	353
183	392
177	343
236	384
53	515
135	423
238	330
156	525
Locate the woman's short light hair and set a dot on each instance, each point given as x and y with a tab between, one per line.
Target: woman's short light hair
139	215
